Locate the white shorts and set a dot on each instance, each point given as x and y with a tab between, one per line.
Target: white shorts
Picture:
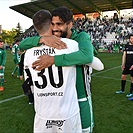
72	125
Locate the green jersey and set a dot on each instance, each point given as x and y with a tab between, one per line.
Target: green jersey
2	57
83	56
16	56
15	50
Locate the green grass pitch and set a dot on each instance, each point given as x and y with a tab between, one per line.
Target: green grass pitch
113	113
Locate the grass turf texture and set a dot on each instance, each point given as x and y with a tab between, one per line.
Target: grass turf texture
112	112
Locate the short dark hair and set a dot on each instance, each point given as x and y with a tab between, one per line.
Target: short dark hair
63	13
130	35
1	40
17	40
41	20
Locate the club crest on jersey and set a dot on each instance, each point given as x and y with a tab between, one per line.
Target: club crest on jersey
48	51
58	123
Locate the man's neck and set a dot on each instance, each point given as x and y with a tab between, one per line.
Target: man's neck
47	33
69	34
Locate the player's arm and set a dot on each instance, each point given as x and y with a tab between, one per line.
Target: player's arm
51	41
18	51
29	42
123	60
21	66
83	56
96	64
95	51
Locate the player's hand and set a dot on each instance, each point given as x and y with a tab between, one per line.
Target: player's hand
43	61
21	77
122	67
1	67
53	41
131	68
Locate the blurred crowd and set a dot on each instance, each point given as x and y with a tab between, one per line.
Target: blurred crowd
106	34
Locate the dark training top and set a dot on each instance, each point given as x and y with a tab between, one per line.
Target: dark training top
129	55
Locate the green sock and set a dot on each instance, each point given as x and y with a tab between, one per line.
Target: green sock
18	72
15	69
2	82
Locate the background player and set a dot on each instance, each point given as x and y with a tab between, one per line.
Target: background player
127	67
2	65
16	57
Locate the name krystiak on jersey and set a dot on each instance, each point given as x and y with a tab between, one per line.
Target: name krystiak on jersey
48	51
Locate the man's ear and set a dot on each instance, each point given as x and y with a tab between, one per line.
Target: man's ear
70	25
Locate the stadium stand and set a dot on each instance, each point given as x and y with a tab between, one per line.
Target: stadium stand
107	34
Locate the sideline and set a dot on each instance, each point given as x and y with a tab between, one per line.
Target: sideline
9	99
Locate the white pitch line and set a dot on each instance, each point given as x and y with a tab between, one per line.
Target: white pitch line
9	99
95	74
106	70
111	78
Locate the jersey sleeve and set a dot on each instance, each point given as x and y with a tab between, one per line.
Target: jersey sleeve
29	42
83	56
13	50
124	49
95	51
96	64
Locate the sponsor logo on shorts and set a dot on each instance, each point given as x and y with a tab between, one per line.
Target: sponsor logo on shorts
58	123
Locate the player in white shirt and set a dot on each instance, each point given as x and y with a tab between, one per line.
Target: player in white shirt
55	96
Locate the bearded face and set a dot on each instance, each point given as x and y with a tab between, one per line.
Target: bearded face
131	40
59	28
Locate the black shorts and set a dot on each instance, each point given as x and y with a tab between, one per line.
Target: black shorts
126	71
